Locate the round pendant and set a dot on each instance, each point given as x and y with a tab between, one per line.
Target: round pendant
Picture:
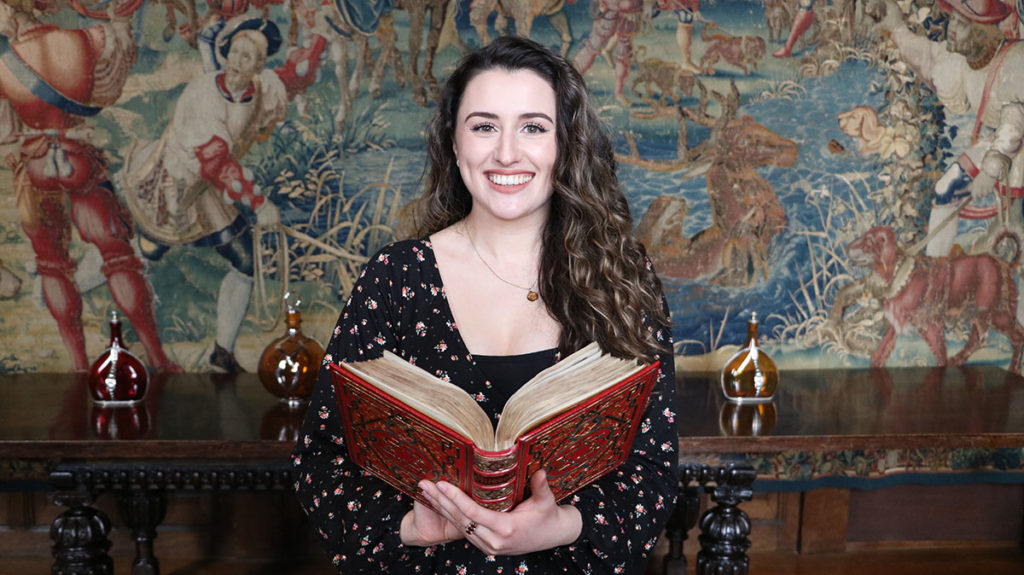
532	295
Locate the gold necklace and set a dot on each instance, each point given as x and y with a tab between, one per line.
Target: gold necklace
531	295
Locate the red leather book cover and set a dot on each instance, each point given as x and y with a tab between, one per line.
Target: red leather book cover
581	444
397	443
402	446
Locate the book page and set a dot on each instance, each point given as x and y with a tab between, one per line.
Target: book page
573	380
439	400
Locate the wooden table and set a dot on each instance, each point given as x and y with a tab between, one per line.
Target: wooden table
193	432
855	428
210	432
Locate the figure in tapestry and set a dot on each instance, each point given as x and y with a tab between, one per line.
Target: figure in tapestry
183	188
60	177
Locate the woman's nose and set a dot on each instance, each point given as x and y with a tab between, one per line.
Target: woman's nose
508	148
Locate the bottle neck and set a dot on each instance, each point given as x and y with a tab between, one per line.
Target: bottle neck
751	334
294	321
115	334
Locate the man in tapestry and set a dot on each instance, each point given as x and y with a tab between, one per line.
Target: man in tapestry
52	80
978	69
185	188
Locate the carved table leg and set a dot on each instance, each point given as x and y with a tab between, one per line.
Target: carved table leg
79	535
725	527
683	518
143	511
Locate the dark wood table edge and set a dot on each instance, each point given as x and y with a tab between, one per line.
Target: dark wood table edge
169	449
775	444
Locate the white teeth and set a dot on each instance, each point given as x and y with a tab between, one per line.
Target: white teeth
513	180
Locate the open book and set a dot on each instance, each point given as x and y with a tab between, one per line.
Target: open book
576	420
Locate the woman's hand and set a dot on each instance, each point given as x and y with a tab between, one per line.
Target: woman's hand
537	523
423	527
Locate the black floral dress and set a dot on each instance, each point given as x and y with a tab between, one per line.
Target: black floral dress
399	304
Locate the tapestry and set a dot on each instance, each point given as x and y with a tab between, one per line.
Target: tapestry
847	170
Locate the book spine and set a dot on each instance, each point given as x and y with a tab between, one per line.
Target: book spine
495	478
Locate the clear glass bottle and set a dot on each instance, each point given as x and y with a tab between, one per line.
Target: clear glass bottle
117	376
290	364
750	375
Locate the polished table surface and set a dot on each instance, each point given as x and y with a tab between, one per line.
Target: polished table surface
50	415
200	416
191	432
972	406
862	428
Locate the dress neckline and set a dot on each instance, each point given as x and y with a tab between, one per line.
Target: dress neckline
429	252
519	357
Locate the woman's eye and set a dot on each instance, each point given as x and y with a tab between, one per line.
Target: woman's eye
484	128
534	129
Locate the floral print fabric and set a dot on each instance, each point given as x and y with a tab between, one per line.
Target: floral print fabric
399	304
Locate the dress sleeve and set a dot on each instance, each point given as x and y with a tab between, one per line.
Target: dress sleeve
356	515
625	511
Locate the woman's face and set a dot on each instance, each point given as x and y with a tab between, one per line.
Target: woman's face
505	143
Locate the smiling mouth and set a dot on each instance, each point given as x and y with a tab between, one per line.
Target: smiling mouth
510	180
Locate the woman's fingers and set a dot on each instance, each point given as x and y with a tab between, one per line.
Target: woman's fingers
475	520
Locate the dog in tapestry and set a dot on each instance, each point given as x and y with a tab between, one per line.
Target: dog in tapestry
929	294
741	51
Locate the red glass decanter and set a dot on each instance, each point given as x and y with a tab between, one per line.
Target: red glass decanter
290	364
117	376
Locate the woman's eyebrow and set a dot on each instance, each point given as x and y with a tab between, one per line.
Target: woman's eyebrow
493	116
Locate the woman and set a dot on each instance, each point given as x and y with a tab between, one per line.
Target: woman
525	256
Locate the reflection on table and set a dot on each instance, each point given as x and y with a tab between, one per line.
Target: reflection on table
853	427
747	419
47	415
896	406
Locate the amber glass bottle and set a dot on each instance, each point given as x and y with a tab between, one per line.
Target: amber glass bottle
290	364
750	375
117	376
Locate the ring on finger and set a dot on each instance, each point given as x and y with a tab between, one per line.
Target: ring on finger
471	527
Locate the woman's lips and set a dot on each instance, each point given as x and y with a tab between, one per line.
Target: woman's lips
507	181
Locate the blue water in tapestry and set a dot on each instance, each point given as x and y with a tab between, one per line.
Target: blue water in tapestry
697	308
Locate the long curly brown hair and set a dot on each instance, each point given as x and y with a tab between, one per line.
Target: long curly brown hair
595	276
